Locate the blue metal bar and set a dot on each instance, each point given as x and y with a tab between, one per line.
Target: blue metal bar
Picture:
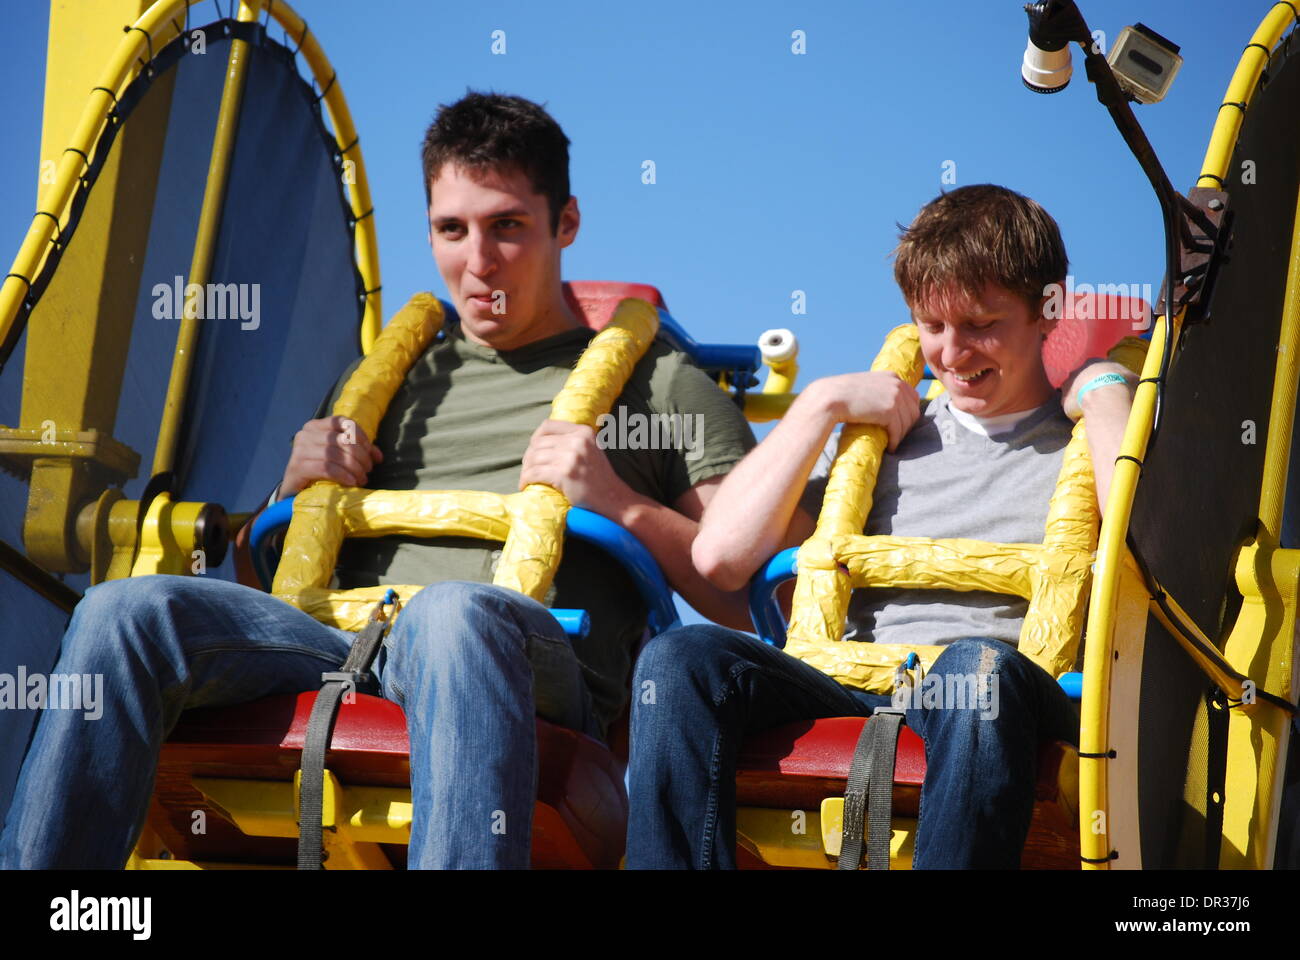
636	560
1072	684
576	623
769	623
583	524
269	522
709	356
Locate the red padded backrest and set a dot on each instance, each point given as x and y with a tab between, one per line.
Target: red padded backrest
1089	328
594	300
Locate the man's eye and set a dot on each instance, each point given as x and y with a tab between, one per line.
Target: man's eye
451	229
509	223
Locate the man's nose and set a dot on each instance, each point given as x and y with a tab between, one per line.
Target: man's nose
482	254
956	351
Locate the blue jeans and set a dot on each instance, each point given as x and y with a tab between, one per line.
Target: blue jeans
700	691
469	663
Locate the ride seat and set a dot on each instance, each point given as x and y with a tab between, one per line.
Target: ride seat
798	765
579	820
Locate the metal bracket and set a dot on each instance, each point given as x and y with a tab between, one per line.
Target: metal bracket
21	445
1205	230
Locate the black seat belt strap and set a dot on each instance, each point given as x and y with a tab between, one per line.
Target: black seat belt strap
320	730
869	793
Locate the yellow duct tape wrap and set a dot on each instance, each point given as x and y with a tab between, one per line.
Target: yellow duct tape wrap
532	551
1053	576
821	595
530	522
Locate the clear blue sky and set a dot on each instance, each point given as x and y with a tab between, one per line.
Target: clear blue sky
775	171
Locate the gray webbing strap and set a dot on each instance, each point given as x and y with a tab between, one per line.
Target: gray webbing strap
320	730
869	793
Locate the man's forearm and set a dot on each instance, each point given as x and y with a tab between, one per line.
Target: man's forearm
747	520
667	534
1105	413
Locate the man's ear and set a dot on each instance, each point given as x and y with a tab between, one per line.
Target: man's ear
570	220
1046	324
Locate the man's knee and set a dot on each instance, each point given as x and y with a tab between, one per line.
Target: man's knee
677	657
130	610
458	621
1000	679
983	657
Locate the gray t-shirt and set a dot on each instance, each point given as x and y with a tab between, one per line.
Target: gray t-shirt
946	481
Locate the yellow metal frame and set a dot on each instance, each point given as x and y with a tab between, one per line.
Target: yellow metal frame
810	839
157	25
205	244
70	471
1262	642
530	522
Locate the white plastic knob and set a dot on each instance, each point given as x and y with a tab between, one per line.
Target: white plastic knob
779	345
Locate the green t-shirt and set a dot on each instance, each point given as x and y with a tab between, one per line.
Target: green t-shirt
462	420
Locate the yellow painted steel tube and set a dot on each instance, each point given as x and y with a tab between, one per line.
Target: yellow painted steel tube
781	375
367	241
1095	845
1264	640
1281	418
762	407
1223	139
155	27
205	243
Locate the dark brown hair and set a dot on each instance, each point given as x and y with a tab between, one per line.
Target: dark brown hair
492	131
972	236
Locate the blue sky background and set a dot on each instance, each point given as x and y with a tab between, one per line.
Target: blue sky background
775	172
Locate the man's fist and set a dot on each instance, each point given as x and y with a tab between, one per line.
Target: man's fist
332	448
876	397
565	456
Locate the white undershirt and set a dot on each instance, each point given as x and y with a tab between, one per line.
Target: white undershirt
990	426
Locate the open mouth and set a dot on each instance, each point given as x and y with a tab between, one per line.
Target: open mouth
973	379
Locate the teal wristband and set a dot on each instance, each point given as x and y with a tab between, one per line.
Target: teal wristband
1101	380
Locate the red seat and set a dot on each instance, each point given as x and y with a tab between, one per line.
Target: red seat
579	820
1090	328
594	300
796	766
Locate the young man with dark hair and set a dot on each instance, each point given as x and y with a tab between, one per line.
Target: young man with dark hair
471	663
980	462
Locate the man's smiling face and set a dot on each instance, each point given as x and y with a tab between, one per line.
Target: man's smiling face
492	240
986	351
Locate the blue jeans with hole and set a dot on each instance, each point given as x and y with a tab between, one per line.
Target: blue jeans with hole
470	664
699	691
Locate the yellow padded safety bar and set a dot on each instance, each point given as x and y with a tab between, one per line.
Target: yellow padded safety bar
530	522
1053	576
